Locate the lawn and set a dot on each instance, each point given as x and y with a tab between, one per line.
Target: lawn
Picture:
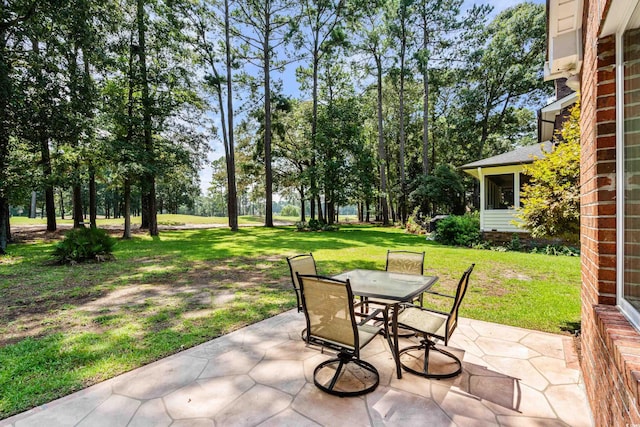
163	219
63	328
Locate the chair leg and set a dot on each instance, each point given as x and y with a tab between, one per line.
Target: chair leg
343	360
428	346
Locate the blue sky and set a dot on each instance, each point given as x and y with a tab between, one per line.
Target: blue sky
289	76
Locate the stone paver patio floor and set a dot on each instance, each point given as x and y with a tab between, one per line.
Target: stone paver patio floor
263	375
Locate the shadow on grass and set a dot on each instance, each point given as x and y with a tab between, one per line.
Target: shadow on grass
38	370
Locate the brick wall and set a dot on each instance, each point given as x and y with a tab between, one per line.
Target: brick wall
610	345
526	241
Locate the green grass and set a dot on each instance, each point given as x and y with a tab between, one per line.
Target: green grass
55	340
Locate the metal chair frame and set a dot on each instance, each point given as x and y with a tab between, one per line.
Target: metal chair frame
294	279
429	337
346	353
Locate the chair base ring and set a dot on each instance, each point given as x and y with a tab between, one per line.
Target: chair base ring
425	349
334	387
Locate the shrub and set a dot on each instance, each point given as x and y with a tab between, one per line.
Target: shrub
459	230
315	225
415	224
551	200
84	244
290	210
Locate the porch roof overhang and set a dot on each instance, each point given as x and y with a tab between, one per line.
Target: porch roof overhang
564	39
520	156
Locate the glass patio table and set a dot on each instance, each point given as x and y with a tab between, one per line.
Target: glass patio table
390	286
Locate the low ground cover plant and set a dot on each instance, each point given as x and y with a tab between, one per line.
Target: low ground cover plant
84	244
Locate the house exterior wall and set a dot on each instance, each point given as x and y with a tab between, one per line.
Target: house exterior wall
500	219
610	345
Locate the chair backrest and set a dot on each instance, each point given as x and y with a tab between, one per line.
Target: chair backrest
452	321
303	264
328	309
405	262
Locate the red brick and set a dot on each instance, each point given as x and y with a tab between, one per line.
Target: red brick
606	102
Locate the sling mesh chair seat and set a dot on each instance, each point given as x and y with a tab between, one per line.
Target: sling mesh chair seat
329	312
433	325
301	264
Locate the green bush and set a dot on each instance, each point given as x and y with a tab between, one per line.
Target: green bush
459	230
84	244
290	210
315	225
415	224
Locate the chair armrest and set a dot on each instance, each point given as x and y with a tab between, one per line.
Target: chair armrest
431	310
439	294
373	314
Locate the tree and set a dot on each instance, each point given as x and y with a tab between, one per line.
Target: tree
266	23
444	32
551	199
292	150
320	32
441	192
400	28
13	17
374	43
507	68
206	24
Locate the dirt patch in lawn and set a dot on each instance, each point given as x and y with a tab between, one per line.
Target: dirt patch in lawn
194	293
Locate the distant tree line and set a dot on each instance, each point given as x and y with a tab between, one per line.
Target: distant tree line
110	106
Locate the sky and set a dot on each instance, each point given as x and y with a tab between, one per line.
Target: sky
290	86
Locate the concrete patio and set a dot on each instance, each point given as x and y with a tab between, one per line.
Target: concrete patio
262	375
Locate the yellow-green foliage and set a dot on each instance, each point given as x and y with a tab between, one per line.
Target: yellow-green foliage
551	201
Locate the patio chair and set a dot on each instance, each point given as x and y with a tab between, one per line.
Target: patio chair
405	262
329	312
303	264
432	325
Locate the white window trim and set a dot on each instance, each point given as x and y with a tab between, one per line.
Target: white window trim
627	309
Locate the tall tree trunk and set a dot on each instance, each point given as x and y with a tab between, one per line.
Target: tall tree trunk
319	213
302	212
76	188
268	213
314	131
61	198
149	179
402	202
425	92
382	156
45	155
78	212
93	197
129	139
33	207
5	126
232	192
127	210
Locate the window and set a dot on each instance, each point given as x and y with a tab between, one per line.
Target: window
628	94
499	191
524	180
